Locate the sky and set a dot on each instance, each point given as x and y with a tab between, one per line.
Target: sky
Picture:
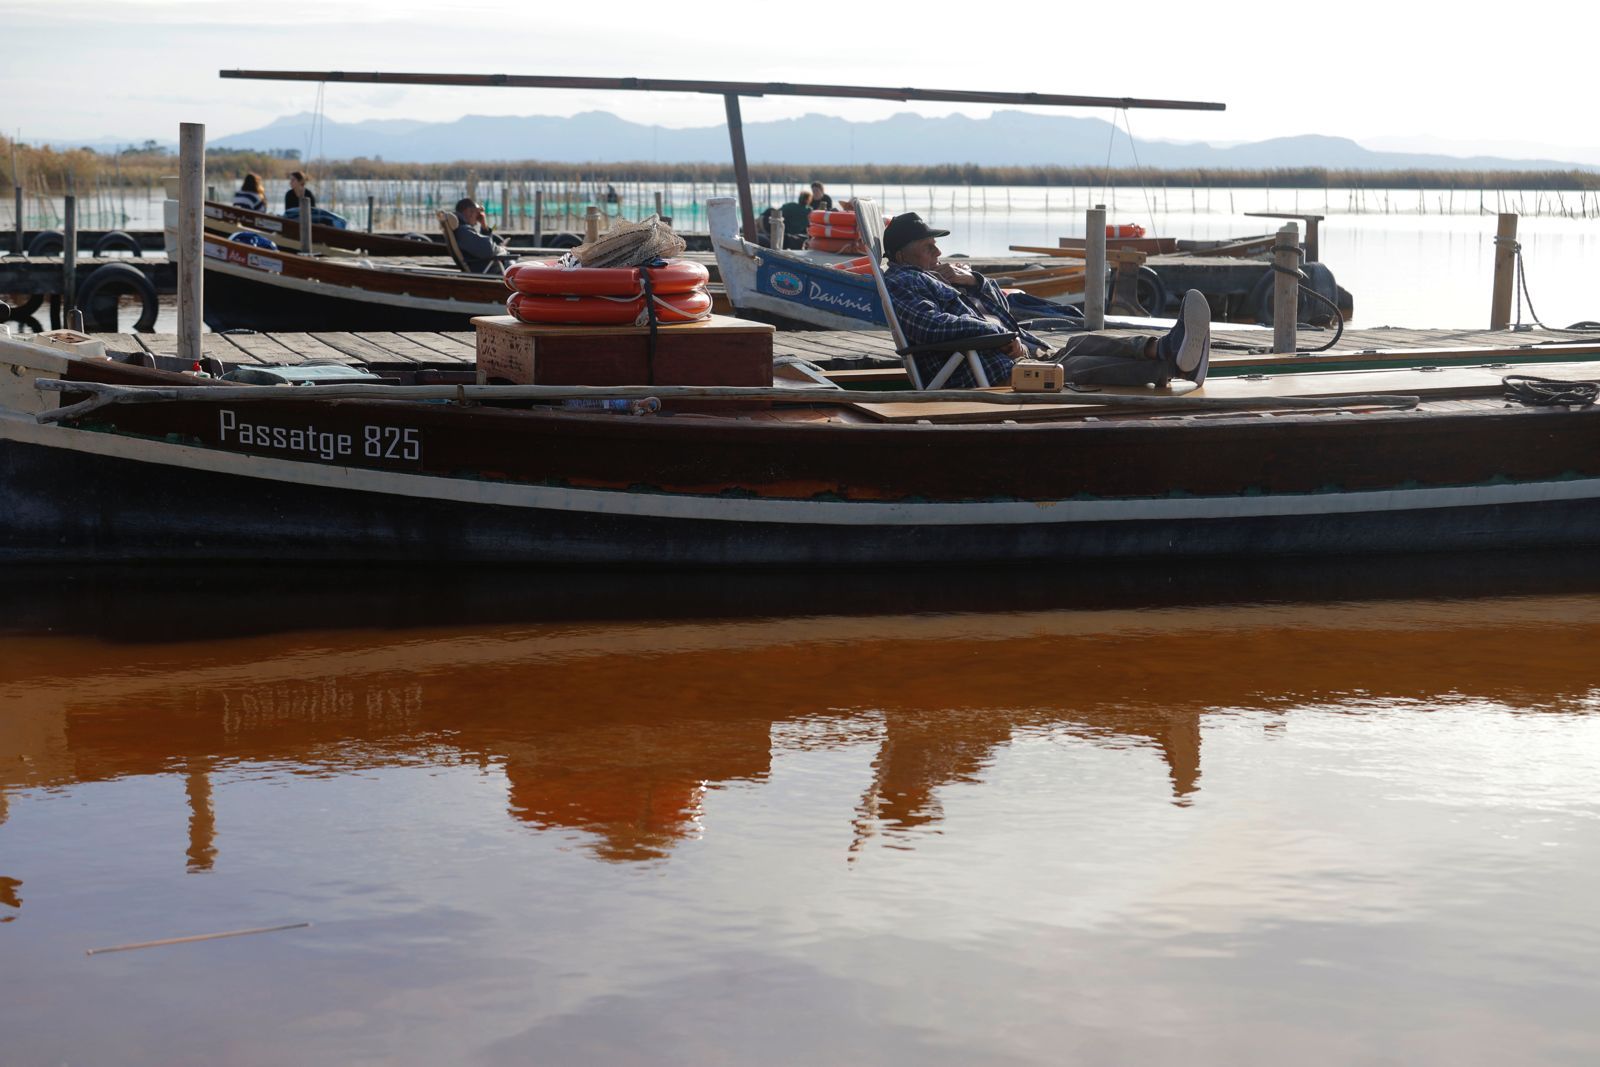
1512	81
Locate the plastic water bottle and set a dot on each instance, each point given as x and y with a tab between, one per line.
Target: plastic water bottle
621	406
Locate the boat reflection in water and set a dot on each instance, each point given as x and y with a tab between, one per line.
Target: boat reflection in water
732	740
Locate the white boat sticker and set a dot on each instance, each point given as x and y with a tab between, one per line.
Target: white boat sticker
266	263
216	251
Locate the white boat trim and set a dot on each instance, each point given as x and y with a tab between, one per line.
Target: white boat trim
24	429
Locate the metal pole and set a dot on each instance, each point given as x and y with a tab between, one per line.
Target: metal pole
505	207
191	250
1286	288
538	218
369	212
741	169
1094	265
305	221
1505	269
69	255
19	218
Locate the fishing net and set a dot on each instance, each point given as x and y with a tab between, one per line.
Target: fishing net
631	244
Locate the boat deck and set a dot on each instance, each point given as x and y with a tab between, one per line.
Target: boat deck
1236	349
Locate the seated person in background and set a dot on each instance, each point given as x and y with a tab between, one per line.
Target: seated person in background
482	249
943	302
251	194
820	201
298	189
796	217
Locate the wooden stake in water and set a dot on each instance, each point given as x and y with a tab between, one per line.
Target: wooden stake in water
69	255
191	250
1505	265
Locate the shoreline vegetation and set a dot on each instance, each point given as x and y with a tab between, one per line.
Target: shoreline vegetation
52	172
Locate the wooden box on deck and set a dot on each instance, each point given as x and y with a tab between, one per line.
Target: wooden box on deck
715	351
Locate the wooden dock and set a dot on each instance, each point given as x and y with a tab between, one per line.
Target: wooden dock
868	355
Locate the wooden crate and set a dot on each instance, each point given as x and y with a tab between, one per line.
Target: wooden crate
715	351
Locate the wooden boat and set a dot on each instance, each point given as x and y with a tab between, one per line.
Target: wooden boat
227	219
256	288
176	467
808	290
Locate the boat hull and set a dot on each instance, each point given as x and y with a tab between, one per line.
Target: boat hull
139	498
251	302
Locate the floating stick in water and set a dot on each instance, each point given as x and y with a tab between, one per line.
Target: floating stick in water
195	937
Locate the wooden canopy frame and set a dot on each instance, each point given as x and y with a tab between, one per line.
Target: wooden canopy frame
730	93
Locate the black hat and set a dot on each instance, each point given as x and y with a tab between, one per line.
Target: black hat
905	228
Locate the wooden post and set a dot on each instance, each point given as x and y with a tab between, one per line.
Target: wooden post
741	169
775	231
658	203
538	218
211	192
370	199
1094	264
191	245
1286	288
1312	251
18	204
69	254
505	208
305	222
1505	272
591	225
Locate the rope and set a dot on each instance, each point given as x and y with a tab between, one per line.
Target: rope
1549	392
1300	276
1144	182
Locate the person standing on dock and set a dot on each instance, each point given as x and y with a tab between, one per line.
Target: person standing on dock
297	190
937	302
820	200
251	194
480	247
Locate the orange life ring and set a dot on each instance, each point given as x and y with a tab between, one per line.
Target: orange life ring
833	218
834	244
547	277
1125	229
608	310
817	229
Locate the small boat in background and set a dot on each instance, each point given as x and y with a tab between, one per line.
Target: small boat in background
228	219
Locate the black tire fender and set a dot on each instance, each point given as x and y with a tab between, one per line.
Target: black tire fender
124	276
118	239
47	243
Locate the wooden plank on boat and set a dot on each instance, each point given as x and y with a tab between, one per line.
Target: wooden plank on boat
405	346
311	346
1448	382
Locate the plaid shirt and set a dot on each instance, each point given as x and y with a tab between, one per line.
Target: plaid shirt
930	310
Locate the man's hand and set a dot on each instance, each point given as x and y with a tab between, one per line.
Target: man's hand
1017	349
956	274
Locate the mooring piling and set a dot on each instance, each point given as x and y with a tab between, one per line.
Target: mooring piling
1286	288
1505	265
1094	265
191	249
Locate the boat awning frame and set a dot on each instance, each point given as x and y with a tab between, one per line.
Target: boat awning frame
730	92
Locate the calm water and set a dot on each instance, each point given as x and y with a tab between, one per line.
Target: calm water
1210	816
1413	259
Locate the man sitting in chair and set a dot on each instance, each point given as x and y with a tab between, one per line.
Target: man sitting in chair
483	250
944	302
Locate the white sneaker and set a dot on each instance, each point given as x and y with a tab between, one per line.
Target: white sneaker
1193	358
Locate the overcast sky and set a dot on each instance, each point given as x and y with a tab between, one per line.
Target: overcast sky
1511	81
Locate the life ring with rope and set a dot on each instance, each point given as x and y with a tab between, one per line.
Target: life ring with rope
608	310
549	277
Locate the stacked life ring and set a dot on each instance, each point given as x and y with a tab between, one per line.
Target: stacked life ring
1124	229
550	291
835	231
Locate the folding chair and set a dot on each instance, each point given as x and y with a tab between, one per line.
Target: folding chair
869	222
448	223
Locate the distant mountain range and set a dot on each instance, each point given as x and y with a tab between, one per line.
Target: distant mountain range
1005	138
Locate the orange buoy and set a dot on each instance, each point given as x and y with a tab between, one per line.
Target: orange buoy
1125	229
859	265
548	277
817	229
608	310
833	244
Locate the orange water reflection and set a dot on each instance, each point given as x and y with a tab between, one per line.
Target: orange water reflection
617	729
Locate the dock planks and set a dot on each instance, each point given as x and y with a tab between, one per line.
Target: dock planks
1241	348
